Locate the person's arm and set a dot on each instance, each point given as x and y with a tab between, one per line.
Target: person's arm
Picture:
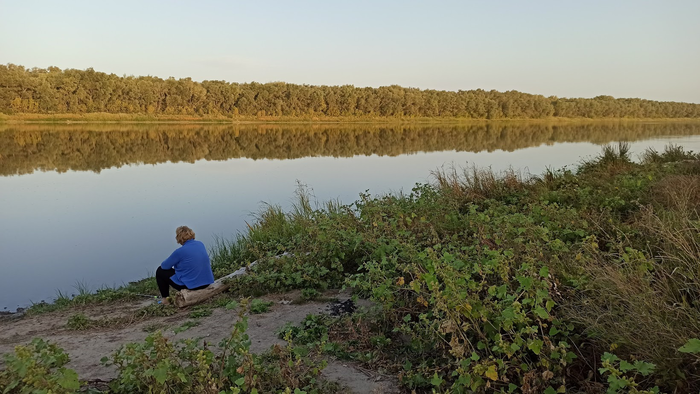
171	261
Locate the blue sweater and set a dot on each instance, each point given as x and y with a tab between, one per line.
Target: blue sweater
191	263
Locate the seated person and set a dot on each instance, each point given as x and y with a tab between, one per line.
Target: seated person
187	268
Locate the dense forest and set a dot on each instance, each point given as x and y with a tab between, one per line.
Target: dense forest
28	148
71	91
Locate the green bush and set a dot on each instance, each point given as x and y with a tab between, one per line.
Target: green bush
309	294
159	365
312	330
186	366
622	375
38	368
259	306
79	321
200	311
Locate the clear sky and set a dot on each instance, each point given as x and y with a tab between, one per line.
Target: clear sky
632	48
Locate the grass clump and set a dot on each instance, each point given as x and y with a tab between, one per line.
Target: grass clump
80	322
473	183
131	291
309	294
200	311
227	255
259	306
153	327
186	326
611	160
672	153
312	330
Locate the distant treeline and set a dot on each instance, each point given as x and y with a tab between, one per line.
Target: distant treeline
25	149
70	91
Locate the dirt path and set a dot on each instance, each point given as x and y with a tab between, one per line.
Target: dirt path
86	348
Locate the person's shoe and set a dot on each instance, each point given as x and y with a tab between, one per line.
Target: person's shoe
165	301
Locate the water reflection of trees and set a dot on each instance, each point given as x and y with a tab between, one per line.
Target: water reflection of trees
28	148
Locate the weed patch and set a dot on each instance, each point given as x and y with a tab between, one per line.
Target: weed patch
135	290
186	326
187	366
79	322
200	311
151	328
38	367
259	306
309	294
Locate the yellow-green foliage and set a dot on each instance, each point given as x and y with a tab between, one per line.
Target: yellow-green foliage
187	366
38	368
491	282
56	91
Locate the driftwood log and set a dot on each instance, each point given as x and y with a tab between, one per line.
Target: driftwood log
191	297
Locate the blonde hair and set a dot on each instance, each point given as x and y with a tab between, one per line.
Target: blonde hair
183	234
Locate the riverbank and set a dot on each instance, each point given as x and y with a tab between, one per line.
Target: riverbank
213	321
126	118
574	280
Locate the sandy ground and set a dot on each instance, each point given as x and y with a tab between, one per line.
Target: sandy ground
86	348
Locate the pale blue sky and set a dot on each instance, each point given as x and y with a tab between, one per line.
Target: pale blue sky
635	48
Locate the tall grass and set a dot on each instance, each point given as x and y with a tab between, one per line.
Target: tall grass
612	160
82	287
671	153
272	232
227	255
644	305
641	286
474	184
86	296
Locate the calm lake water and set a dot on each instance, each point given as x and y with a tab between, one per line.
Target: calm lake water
98	205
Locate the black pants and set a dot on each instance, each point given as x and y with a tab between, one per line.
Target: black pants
164	282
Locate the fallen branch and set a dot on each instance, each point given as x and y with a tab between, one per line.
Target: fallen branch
191	297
